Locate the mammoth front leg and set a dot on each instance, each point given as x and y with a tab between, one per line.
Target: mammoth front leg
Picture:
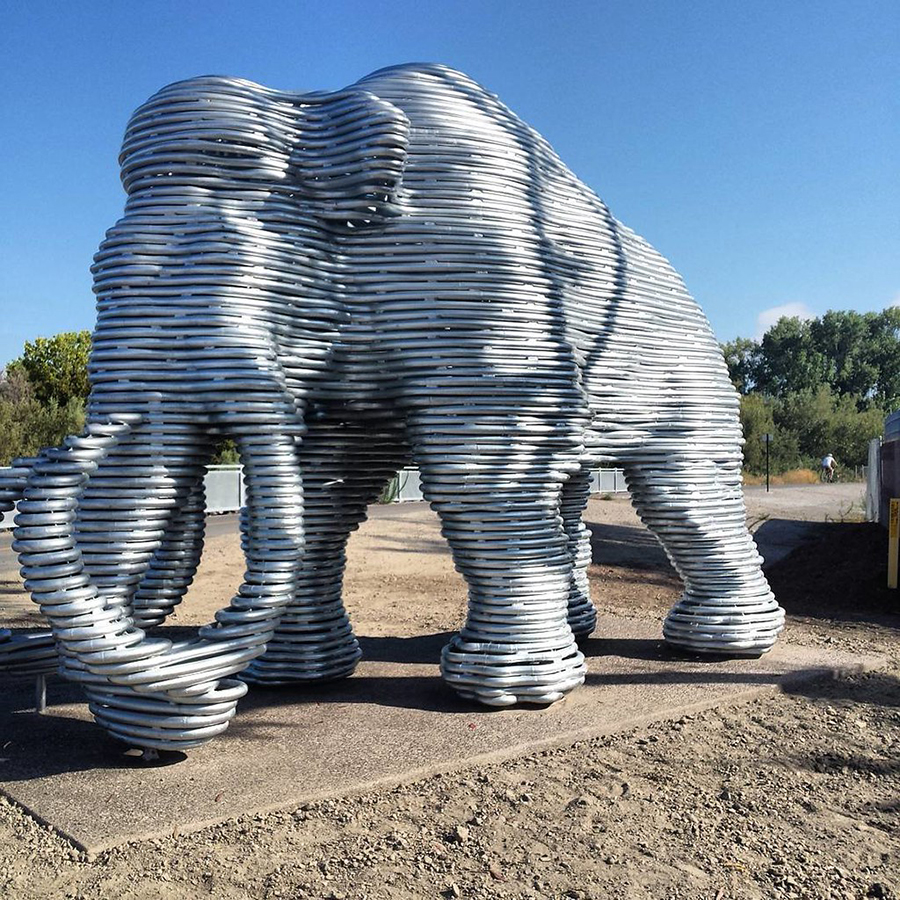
139	524
344	467
175	561
695	507
498	498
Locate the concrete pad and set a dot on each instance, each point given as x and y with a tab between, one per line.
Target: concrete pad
394	721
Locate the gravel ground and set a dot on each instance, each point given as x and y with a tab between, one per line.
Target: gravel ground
794	795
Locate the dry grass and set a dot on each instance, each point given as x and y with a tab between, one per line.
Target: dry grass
792	476
799	476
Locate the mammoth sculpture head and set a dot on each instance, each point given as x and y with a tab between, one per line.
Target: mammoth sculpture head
343	152
217	308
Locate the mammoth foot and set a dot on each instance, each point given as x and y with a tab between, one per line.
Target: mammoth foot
498	674
299	655
582	617
730	626
155	720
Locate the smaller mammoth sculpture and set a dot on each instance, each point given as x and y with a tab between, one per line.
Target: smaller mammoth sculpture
344	283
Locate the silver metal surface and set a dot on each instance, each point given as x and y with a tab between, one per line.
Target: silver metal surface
344	283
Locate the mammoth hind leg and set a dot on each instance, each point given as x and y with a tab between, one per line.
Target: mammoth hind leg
345	467
695	507
582	615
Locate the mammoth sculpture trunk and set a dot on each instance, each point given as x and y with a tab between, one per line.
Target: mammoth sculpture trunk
344	283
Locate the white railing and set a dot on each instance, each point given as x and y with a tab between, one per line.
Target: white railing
225	488
873	482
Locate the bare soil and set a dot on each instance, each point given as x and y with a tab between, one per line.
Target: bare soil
795	795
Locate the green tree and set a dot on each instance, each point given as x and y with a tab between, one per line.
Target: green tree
854	354
851	428
56	367
843	339
756	420
807	414
826	422
758	417
27	426
226	454
789	360
884	330
742	356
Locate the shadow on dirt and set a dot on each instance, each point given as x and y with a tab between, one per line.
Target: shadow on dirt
847	764
868	702
839	573
870	688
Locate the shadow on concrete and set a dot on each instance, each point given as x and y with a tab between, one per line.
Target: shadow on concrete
627	546
387	724
420	648
61	740
426	693
627	648
65	740
426	649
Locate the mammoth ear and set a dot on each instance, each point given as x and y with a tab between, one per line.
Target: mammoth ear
350	154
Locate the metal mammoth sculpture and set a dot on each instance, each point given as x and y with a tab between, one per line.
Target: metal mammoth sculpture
344	283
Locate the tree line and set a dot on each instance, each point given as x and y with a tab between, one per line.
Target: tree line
43	395
819	386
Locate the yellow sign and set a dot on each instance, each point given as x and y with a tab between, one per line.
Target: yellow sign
893	543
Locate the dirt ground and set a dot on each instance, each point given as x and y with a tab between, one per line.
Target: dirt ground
794	795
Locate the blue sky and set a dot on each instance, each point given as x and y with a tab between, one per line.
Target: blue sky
755	144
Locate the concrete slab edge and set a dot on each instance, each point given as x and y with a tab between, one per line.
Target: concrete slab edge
494	757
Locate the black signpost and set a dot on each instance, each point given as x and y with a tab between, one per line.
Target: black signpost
767	439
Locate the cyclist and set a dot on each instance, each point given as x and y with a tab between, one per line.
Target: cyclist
828	468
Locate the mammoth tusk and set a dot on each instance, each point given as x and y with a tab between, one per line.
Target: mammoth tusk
41	551
32	653
13	481
147	692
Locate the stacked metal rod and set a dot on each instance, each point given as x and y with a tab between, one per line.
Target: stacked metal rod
551	339
345	467
341	283
27	653
22	653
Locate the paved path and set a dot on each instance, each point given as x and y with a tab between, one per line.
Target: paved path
807	502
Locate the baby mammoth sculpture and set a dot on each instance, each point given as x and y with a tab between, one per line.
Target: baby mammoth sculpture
345	283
